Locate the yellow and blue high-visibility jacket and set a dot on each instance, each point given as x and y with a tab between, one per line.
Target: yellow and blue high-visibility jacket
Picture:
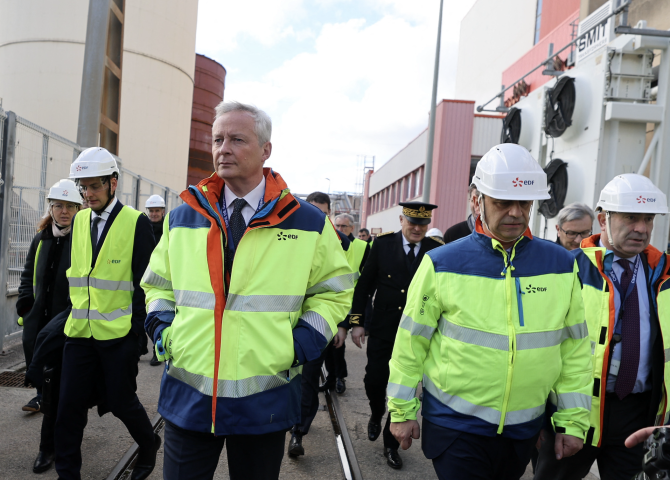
598	293
491	334
234	339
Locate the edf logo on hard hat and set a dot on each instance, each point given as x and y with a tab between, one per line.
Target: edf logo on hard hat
520	183
641	199
81	167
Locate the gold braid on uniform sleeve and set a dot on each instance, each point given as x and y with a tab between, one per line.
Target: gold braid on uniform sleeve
354	319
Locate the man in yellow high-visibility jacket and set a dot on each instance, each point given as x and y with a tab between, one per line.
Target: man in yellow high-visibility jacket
111	245
247	284
493	323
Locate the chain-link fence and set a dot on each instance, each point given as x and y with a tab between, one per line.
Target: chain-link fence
31	160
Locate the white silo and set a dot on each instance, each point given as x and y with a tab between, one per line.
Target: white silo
41	62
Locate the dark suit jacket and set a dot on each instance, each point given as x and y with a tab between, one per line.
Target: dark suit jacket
387	268
457	231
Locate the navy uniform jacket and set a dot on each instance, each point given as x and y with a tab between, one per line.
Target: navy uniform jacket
388	270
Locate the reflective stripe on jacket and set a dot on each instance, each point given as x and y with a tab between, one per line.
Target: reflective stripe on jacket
491	336
598	293
102	296
290	285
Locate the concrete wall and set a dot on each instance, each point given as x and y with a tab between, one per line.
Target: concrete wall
493	34
157	91
41	62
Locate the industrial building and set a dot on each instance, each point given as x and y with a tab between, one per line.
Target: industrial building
147	122
586	112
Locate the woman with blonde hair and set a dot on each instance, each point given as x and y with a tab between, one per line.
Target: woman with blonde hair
44	292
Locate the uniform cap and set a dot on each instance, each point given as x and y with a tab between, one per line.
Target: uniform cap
419	213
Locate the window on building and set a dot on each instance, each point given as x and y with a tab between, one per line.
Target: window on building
417	182
538	21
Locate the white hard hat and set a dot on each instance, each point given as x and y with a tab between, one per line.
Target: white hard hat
65	190
93	162
434	232
155	201
509	172
632	193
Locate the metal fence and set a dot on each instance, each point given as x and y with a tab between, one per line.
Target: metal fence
31	160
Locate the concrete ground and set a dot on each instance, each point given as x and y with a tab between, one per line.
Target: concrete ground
106	439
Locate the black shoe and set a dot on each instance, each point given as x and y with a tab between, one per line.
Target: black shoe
326	386
392	458
146	461
33	405
43	462
154	362
374	429
295	445
340	385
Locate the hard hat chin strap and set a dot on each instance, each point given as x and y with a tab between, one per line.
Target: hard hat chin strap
608	227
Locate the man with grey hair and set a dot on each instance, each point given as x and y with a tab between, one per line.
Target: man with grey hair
232	332
575	223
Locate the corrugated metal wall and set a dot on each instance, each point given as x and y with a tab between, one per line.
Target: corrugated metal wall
485	133
451	161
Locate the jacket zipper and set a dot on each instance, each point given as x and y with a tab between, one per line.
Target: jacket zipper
512	336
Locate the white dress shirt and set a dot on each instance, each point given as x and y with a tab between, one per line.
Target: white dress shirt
405	246
103	216
252	198
643	380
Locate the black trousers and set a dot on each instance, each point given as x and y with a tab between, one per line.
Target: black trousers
194	455
376	379
615	461
336	364
460	455
49	407
83	359
309	403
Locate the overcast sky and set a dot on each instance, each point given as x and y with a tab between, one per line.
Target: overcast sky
340	78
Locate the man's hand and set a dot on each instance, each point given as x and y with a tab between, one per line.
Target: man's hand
404	432
567	445
639	436
340	337
358	335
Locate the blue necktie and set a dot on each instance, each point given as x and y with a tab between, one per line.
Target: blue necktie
237	223
630	335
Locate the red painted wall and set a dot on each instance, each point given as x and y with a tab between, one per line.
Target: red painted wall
210	79
560	37
555	12
451	161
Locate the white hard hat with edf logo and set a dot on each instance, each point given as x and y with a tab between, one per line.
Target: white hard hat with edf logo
509	172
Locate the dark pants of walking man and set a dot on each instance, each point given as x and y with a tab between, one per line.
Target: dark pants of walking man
83	360
379	353
336	364
454	453
615	461
193	455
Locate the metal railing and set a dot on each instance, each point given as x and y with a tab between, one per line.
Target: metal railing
32	159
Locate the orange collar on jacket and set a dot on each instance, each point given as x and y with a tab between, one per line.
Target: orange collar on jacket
653	254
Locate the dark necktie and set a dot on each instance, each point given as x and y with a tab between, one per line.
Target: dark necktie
630	333
237	223
94	231
410	255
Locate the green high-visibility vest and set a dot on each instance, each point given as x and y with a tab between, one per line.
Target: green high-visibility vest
355	256
102	296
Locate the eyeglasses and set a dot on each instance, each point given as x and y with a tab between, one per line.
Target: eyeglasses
571	234
339	226
59	207
92	188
